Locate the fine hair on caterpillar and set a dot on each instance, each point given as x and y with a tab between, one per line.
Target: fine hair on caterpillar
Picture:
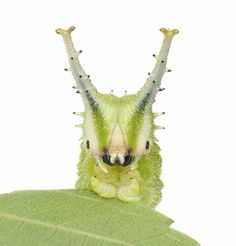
119	153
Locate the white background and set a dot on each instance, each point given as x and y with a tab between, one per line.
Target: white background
39	144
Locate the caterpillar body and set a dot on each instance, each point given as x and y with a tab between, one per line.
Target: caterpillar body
119	153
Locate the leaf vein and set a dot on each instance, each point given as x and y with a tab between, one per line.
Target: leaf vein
73	231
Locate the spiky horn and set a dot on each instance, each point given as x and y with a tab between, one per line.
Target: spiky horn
147	93
84	85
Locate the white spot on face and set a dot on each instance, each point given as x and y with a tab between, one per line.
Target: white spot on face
113	157
121	158
117	158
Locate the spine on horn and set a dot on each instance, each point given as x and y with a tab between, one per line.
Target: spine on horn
147	93
84	85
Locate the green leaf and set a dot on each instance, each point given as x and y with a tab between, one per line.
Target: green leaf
74	217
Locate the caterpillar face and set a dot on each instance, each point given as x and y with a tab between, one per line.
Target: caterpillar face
117	152
118	133
120	157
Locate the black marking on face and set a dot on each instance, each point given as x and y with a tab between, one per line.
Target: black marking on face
72	58
128	160
106	159
87	144
162	61
147	145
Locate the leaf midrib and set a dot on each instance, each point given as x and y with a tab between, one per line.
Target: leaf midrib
58	227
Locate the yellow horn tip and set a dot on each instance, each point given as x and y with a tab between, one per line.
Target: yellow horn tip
63	31
169	32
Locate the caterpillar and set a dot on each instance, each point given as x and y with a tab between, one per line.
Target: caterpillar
120	157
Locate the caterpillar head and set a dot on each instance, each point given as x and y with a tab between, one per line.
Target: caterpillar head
117	131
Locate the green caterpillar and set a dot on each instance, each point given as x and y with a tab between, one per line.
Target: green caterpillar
120	157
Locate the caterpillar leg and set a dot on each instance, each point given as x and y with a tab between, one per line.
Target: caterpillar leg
129	192
103	189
